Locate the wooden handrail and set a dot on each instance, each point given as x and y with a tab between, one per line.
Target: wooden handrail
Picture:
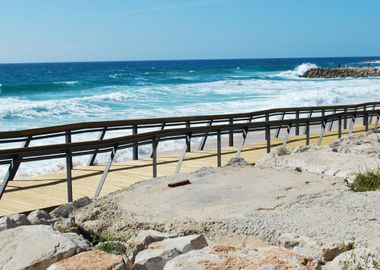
16	156
161	134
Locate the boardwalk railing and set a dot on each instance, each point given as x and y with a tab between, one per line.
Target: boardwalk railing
268	122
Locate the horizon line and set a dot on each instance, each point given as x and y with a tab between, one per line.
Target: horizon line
178	60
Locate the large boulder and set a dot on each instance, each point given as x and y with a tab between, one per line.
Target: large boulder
228	257
91	260
359	258
324	252
66	209
159	253
34	247
13	221
38	217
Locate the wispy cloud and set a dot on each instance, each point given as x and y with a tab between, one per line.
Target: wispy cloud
180	6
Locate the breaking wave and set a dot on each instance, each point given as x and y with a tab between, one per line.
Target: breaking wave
298	71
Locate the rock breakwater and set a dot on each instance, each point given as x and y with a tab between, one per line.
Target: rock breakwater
342	73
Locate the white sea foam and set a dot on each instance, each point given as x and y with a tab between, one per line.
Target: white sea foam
230	96
371	62
66	82
298	71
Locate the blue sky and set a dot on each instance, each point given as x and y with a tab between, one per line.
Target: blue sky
93	30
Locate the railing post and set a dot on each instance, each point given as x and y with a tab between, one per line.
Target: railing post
286	138
309	116
279	128
377	121
92	158
203	141
162	128
135	148
68	140
297	125
245	132
231	133
352	124
180	160
69	166
16	162
267	135
345	119
323	127
331	123
11	171
307	131
365	118
106	170
219	149
370	119
188	138
154	158
267	132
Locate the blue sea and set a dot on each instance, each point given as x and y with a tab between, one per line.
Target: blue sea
36	95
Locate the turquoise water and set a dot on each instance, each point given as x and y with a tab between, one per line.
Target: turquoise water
35	95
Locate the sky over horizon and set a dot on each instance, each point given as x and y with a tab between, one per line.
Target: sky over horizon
116	30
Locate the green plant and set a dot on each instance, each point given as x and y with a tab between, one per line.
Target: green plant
116	247
106	237
366	181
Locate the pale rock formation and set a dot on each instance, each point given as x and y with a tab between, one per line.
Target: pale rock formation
13	221
34	247
91	260
159	253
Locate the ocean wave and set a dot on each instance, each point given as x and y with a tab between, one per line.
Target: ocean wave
230	96
297	72
170	100
371	62
66	82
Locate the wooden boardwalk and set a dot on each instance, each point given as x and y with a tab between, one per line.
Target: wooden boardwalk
51	190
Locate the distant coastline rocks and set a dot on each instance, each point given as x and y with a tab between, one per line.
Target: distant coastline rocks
361	72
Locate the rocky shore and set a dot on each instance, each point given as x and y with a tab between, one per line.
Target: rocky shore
326	73
292	210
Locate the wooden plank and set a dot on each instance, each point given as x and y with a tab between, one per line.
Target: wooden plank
49	190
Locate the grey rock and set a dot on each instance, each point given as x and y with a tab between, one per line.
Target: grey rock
13	221
145	237
81	243
91	260
358	258
33	247
237	162
308	247
38	217
64	225
66	209
342	72
159	253
228	257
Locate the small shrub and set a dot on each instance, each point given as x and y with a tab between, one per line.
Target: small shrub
366	181
95	239
115	247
